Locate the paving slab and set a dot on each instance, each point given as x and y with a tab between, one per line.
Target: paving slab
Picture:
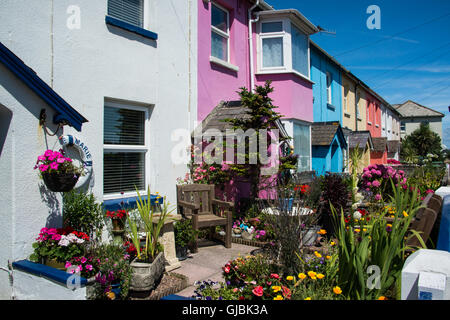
207	263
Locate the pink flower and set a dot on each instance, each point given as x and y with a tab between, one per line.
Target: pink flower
212	168
41	158
275	276
54	166
258	291
89	267
83	260
68	264
60	160
43	167
430	191
376	183
378	197
48	153
225	166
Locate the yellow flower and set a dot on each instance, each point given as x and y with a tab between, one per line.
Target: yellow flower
276	288
322	231
405	214
289	278
278	297
313	278
357	230
318	255
382	298
320	276
328	257
311	274
308	298
388	225
332	243
364	229
302	275
337	290
111	295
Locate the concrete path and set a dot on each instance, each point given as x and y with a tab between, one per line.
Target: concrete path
207	263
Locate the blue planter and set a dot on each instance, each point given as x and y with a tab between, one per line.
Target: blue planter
286	204
116	289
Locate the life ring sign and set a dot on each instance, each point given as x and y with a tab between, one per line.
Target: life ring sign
71	141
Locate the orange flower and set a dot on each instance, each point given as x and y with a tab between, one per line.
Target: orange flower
337	290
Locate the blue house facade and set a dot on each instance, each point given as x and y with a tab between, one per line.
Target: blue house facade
328	147
327	88
327	139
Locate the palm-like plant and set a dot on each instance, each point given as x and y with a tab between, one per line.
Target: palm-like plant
375	243
153	223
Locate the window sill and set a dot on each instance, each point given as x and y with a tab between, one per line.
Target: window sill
262	72
347	114
369	123
331	107
377	125
359	119
132	28
128	202
224	64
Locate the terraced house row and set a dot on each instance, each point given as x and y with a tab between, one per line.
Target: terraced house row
124	76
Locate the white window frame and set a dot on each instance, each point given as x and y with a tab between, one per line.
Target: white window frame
286	35
221	33
131	148
329	87
346	92
302	123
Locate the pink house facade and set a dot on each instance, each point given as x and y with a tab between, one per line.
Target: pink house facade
245	43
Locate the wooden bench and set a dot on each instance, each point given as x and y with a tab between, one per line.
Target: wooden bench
198	202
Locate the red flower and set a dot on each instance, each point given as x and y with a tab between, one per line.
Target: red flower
258	291
241	298
286	292
275	276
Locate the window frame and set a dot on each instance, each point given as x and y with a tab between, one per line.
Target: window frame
304	124
220	32
329	85
130	148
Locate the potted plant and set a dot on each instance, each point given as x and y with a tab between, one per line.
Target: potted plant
56	246
114	272
184	235
58	172
149	264
118	218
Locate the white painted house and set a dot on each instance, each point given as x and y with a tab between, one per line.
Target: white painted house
102	58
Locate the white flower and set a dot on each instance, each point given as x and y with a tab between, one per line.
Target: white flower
357	215
64	242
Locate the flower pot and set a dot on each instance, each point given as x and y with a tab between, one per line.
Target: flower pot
118	224
54	264
247	236
116	289
60	182
146	274
181	253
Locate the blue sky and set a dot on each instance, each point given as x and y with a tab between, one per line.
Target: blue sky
407	58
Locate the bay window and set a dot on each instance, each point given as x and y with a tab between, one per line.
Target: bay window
125	150
282	47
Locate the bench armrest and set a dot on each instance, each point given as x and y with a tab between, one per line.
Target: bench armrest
189	205
223	203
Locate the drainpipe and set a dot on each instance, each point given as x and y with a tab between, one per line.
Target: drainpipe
250	39
356	107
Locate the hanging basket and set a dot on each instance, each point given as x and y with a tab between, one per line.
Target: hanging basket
60	182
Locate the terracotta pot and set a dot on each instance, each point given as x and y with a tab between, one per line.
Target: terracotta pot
60	182
118	224
146	275
54	264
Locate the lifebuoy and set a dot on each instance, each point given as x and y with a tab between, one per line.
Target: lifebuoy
71	141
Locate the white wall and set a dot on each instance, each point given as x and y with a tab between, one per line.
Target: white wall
85	66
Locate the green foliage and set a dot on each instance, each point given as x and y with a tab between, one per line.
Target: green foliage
375	242
422	141
113	267
426	178
82	212
184	233
153	223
